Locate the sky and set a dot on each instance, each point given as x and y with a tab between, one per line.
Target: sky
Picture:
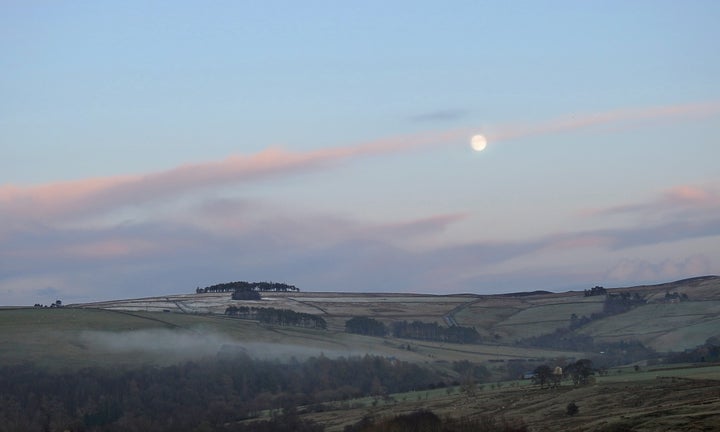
152	147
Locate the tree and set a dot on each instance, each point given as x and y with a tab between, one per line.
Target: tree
365	326
543	375
580	371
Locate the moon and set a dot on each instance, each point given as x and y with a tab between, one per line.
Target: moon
478	143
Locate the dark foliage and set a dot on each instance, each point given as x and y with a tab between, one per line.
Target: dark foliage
284	317
707	352
616	303
623	352
580	371
247	286
365	326
427	421
572	409
476	371
289	421
675	297
245	294
562	338
595	291
543	375
434	332
207	395
577	322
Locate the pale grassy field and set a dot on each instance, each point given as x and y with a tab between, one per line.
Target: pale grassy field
662	326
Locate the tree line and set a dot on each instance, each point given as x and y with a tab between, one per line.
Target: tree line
427	421
614	353
248	286
580	372
412	330
245	294
707	352
272	316
210	395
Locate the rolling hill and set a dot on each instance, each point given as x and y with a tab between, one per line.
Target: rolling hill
176	330
164	329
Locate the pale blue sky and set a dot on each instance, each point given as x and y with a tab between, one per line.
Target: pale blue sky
94	90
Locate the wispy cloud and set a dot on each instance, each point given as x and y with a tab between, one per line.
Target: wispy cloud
618	117
680	198
96	195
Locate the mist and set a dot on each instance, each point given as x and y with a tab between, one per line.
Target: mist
197	343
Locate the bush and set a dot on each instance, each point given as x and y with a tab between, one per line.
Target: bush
572	409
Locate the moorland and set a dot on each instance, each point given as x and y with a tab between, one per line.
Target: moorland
297	360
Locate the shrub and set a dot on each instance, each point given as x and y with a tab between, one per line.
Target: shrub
572	409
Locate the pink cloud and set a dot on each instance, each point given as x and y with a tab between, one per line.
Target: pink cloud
692	195
72	198
619	116
79	198
676	198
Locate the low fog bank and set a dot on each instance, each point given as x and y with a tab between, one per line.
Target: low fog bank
156	341
186	344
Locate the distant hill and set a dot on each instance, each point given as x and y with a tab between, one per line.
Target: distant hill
666	317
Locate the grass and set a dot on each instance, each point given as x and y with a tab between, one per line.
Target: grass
53	337
638	400
664	327
71	338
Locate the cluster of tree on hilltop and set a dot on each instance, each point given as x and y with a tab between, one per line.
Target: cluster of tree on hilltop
248	286
412	330
595	291
213	394
284	317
